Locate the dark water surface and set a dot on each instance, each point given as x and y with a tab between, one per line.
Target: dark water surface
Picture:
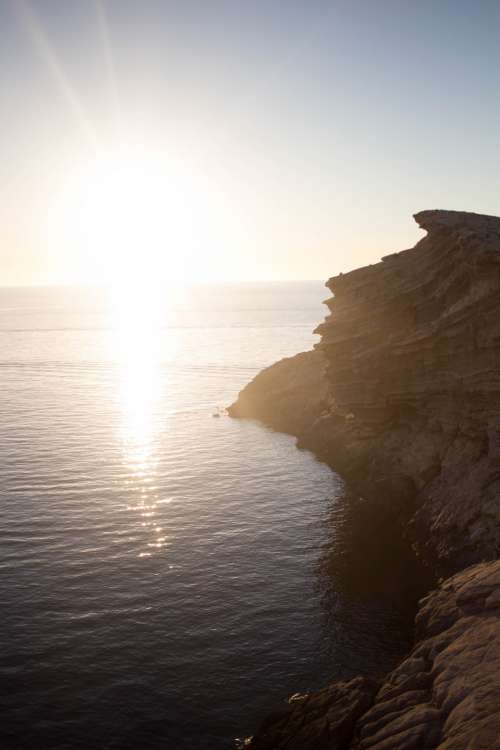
168	577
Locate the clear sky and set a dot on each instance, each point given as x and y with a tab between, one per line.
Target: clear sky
223	139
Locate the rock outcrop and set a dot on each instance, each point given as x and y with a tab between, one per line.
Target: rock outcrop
290	395
444	696
407	410
325	720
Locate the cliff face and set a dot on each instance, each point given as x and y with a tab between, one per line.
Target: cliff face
413	351
407	410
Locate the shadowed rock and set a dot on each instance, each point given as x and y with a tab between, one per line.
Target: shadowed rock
444	696
324	720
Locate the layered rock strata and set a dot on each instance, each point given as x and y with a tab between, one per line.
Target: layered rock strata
409	412
402	397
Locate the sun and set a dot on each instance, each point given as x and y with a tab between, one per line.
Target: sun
133	216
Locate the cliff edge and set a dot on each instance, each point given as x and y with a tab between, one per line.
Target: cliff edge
409	408
404	402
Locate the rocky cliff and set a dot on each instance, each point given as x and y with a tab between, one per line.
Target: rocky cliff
444	696
410	410
405	404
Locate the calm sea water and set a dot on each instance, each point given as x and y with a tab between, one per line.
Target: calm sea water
168	577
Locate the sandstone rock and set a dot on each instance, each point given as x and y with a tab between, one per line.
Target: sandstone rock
321	721
457	658
287	396
413	346
444	696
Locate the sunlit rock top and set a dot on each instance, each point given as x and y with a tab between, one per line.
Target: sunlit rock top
438	219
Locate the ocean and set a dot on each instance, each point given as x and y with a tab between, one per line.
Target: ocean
170	575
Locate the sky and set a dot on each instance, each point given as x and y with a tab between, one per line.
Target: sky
232	140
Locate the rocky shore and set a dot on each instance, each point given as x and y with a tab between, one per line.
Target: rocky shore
402	398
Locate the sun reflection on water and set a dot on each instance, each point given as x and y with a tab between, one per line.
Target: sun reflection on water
138	319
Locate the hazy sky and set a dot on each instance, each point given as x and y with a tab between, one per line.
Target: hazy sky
295	138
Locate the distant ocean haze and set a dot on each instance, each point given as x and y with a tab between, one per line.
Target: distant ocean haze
167	577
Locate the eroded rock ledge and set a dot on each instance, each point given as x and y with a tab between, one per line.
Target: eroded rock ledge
402	397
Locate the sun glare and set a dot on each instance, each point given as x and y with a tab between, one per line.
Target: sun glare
138	217
136	335
138	317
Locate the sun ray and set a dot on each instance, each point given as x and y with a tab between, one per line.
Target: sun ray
48	55
109	63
